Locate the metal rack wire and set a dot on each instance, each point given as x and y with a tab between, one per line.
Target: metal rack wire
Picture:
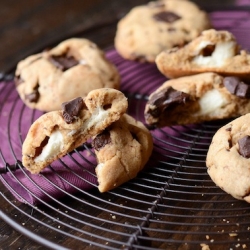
171	204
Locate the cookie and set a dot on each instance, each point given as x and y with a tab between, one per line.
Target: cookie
57	133
213	51
197	98
73	68
122	150
149	29
228	158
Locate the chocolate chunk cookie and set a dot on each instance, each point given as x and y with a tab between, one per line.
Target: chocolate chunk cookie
149	29
228	158
122	150
198	98
213	51
59	132
71	69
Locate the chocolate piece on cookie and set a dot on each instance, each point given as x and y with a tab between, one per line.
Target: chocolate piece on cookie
244	146
197	98
57	133
228	158
122	150
236	86
213	51
73	68
149	29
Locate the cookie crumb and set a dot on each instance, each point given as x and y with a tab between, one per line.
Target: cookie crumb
233	234
204	246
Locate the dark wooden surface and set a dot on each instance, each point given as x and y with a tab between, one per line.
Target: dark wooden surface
27	26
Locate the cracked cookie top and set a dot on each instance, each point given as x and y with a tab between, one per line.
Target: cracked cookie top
72	68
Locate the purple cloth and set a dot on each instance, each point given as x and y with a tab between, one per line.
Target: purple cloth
76	170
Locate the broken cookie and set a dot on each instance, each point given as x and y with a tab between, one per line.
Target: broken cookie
57	133
122	151
73	68
213	51
197	98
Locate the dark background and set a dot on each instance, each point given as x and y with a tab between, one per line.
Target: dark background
30	25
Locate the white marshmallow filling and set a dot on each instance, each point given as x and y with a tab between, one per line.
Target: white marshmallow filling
211	102
52	148
55	142
221	52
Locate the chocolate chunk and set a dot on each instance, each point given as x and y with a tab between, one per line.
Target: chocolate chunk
166	16
237	87
72	109
18	80
171	29
208	50
101	140
39	149
33	96
63	62
244	146
166	100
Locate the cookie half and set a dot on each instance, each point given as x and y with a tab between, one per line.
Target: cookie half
73	68
122	150
149	29
213	51
57	133
197	98
228	158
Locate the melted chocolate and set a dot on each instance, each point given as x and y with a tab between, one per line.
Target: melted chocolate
244	146
167	99
101	140
33	96
39	149
72	109
63	62
237	87
208	50
166	16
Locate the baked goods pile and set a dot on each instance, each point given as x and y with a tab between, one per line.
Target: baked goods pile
207	77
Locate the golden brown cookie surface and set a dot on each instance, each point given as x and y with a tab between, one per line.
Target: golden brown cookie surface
228	158
149	29
122	151
73	68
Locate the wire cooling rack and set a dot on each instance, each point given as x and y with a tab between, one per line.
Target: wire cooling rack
171	204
